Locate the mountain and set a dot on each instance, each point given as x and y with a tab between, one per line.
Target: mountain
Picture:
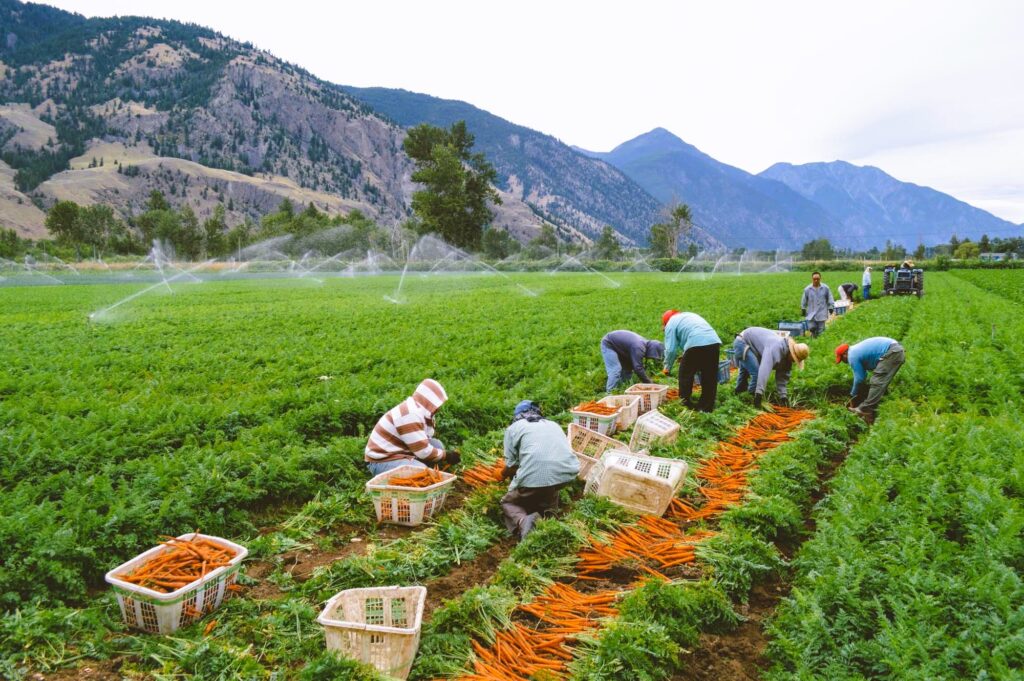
107	110
736	207
874	207
559	182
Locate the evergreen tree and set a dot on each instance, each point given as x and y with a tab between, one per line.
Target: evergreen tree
607	247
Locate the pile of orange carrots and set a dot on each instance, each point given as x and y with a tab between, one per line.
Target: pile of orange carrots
423	478
596	408
185	561
484	474
672	394
652	539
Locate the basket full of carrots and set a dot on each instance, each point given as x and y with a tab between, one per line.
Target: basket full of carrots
409	495
595	416
177	582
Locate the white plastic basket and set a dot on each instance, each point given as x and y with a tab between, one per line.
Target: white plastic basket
163	613
604	424
638	483
590	443
379	626
650	394
409	506
653	427
629	408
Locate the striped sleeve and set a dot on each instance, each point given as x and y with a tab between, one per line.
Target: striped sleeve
401	433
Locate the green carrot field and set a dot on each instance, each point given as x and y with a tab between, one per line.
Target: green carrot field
241	408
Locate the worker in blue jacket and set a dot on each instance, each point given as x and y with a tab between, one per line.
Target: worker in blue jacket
883	357
691	335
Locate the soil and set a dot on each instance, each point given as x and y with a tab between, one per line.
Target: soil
469	574
93	670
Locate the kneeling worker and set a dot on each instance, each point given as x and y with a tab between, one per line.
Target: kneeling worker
624	353
540	463
405	434
883	357
760	351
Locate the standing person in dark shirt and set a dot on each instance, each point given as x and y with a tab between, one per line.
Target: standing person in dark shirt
624	353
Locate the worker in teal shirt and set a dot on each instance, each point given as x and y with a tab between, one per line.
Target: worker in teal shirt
883	357
690	334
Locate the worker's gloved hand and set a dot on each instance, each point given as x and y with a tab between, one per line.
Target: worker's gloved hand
452	457
831	310
664	372
783	401
508	473
757	401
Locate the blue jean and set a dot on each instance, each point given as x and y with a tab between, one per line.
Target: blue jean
613	367
815	327
746	360
376	468
866	291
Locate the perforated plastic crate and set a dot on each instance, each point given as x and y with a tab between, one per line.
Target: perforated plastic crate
650	394
842	308
165	613
794	328
642	484
629	408
724	369
604	424
653	427
379	626
409	506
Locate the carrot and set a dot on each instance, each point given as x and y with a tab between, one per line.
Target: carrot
184	562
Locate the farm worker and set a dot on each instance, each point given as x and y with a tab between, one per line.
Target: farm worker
691	334
624	353
883	357
817	304
405	434
846	291
760	351
540	462
865	283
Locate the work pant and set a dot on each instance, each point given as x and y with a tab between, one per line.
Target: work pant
523	501
613	367
815	327
887	367
702	359
749	365
866	291
378	467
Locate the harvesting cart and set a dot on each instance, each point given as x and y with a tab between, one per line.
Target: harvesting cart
901	281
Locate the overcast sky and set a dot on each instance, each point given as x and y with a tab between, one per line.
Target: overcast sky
931	92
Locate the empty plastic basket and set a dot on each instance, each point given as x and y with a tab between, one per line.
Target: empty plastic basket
842	308
379	626
643	484
653	427
794	328
604	424
164	613
630	408
407	505
651	395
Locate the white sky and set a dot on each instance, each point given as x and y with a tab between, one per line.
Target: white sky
931	91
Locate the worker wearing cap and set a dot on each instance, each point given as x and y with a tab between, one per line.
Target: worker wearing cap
760	351
691	335
883	357
817	304
405	434
624	353
540	462
865	283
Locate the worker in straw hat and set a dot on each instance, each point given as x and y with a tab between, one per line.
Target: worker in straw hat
405	434
540	463
691	335
760	351
883	357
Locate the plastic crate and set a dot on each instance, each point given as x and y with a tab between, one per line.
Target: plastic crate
642	484
653	427
724	369
605	425
630	408
842	308
794	328
651	395
730	356
165	613
409	506
782	332
379	626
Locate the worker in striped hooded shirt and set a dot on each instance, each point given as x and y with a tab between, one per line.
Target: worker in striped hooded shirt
405	434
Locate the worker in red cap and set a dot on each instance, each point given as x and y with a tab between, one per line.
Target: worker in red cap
690	334
883	357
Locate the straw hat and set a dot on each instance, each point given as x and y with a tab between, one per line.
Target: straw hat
798	352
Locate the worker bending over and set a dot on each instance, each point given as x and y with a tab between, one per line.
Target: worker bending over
760	351
405	434
690	334
883	357
624	353
540	462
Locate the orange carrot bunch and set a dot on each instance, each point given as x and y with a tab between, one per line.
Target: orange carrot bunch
484	474
423	478
185	561
596	408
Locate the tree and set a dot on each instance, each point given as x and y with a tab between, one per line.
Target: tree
214	228
499	244
101	228
954	243
457	184
893	251
665	235
967	250
607	247
10	244
984	245
818	249
64	225
919	252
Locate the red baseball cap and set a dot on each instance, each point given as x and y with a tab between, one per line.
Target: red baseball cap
840	351
667	316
